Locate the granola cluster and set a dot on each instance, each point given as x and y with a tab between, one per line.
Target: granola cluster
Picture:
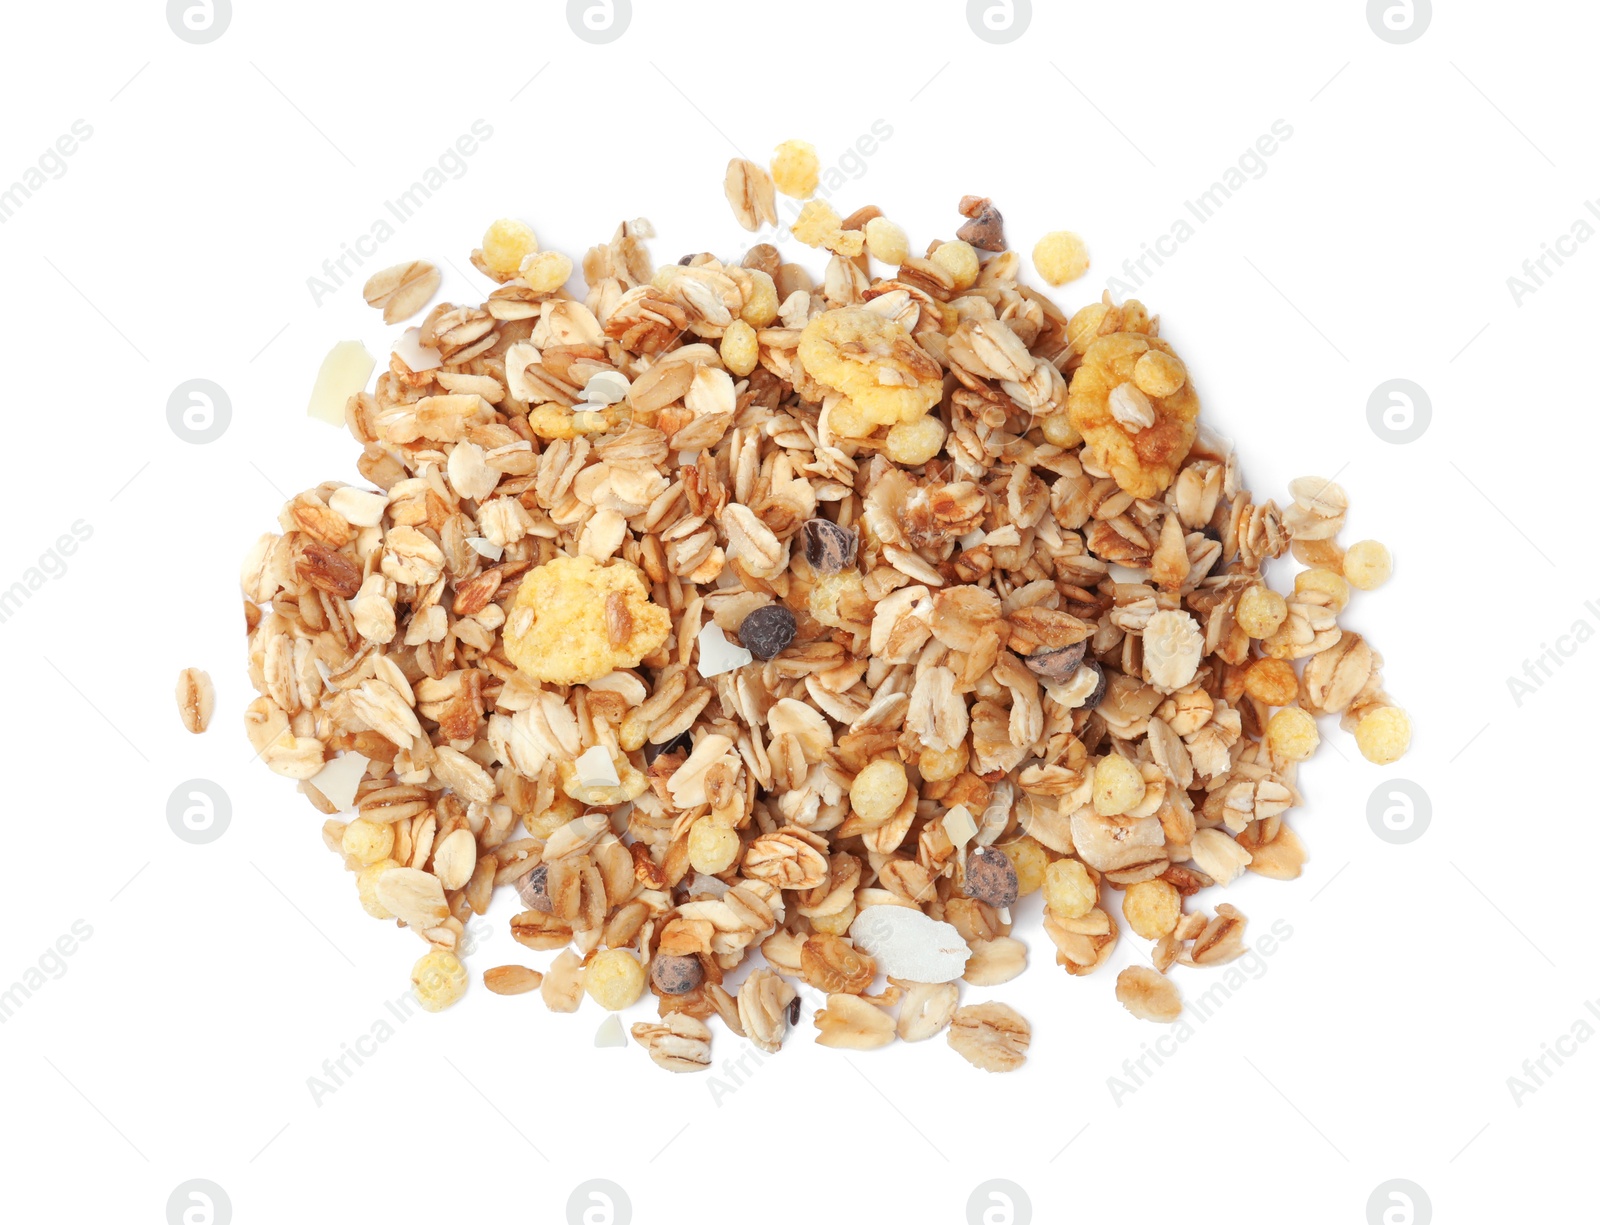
778	631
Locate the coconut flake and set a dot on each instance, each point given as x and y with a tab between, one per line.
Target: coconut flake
339	779
607	387
959	827
344	373
717	654
416	355
908	944
610	1032
595	768
484	547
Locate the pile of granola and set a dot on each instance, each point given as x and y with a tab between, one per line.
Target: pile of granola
725	611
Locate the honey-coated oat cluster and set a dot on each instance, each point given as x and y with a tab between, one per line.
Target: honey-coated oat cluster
764	631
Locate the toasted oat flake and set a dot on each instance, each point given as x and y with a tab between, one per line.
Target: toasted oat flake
196	699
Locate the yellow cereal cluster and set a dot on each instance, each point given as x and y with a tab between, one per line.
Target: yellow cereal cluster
558	631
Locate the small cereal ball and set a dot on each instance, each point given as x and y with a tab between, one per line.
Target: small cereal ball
1272	681
740	352
712	847
877	791
960	260
991	877
546	271
614	979
1384	735
1059	431
1152	908
1118	785
1325	581
795	168
887	242
761	303
914	443
506	244
367	887
1367	565
439	980
1326	554
1061	257
938	765
1292	734
1159	374
849	421
1261	611
1069	890
676	975
366	841
836	924
1030	860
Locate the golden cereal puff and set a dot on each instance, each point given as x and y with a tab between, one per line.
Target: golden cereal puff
886	375
574	621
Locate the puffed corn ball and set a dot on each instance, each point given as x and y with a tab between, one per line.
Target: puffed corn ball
761	301
1159	374
1152	908
614	979
1118	785
1384	735
940	765
960	260
740	352
1272	681
1292	734
1030	860
887	242
796	169
712	847
1061	257
366	841
1261	611
914	443
1367	565
1059	430
836	924
1069	890
367	887
877	792
506	244
439	980
1325	581
546	271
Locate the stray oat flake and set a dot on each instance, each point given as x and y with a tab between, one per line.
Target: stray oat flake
760	624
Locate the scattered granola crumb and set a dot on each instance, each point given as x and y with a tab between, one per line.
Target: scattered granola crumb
1061	257
196	699
796	169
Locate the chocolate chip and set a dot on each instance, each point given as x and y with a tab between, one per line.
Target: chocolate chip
767	630
829	547
676	975
533	889
986	230
794	1011
1094	698
991	877
1058	664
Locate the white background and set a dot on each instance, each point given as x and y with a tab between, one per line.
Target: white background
1378	1041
